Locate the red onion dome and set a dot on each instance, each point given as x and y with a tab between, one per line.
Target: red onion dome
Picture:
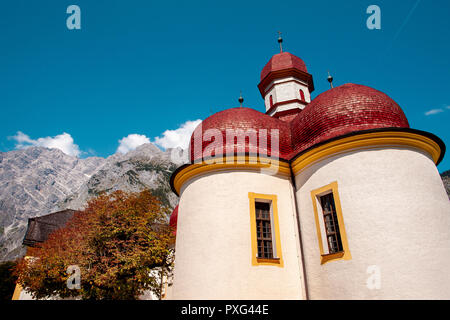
282	61
342	110
174	219
257	127
284	65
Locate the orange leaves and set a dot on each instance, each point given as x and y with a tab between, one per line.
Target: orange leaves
115	241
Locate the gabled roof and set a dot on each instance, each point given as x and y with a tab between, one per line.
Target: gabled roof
39	228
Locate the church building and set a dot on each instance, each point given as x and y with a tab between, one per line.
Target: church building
335	197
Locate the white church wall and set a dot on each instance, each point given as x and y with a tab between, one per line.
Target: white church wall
25	295
287	106
397	220
213	249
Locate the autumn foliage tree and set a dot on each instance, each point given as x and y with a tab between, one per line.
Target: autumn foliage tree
116	242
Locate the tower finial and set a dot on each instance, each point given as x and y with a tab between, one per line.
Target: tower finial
280	40
330	80
241	100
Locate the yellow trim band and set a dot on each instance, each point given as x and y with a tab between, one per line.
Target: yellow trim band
368	140
230	163
278	261
345	254
17	291
360	141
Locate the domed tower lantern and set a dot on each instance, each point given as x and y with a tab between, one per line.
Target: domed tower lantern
285	85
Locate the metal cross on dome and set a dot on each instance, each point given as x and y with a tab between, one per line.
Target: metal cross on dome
330	80
280	40
241	100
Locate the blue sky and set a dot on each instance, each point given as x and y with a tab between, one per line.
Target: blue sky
144	67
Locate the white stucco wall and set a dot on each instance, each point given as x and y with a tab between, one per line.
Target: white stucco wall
213	249
287	106
286	89
397	217
25	295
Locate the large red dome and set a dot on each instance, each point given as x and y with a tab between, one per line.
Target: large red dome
233	120
342	110
282	61
336	112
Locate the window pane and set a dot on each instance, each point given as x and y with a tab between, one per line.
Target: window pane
331	223
259	234
263	230
260	248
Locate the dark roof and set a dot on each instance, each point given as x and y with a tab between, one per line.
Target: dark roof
39	228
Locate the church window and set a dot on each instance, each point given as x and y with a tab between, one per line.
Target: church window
331	223
263	230
302	95
265	234
333	244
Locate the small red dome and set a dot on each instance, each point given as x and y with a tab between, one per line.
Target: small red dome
344	109
174	219
282	61
233	120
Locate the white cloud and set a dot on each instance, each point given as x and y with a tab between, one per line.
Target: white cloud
131	142
179	137
63	142
433	111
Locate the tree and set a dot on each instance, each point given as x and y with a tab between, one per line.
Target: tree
116	242
7	280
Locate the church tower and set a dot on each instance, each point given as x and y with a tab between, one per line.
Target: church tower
285	85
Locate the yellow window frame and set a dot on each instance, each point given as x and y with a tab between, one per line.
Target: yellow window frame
315	195
278	261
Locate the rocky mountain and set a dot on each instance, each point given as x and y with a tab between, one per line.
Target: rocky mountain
145	167
36	181
32	182
446	179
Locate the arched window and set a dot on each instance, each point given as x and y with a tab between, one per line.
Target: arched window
302	95
271	101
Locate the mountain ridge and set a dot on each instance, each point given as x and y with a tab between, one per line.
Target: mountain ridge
36	181
446	180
